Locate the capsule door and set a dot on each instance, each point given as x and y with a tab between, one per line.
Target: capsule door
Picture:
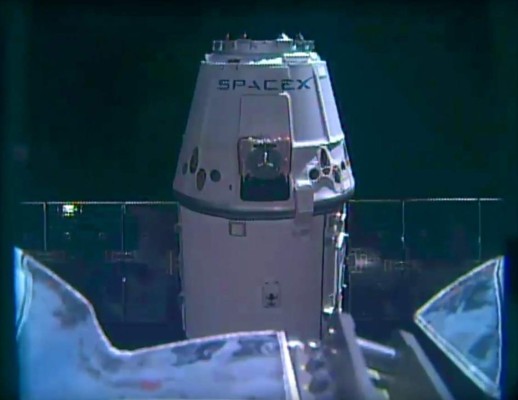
264	148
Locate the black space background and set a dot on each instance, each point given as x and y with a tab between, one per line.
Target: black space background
426	92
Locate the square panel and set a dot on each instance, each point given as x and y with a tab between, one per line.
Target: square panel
370	297
152	285
442	231
150	231
107	292
147	295
376	226
237	228
86	233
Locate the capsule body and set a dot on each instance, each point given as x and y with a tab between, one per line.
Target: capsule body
262	179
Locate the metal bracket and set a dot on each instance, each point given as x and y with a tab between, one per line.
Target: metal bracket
346	361
304	207
415	376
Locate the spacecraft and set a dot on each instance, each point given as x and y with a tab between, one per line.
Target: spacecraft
262	182
262	179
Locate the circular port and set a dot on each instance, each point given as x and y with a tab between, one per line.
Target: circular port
314	173
326	170
193	164
201	176
215	175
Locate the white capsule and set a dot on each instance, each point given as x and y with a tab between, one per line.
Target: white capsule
255	187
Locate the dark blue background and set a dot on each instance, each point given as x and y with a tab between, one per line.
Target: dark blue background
426	92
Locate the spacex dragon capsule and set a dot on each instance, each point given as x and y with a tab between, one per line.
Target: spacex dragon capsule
262	180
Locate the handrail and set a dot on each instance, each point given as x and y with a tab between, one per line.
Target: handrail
407	200
402	202
99	203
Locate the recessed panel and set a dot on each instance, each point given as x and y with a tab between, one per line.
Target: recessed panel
442	231
376	228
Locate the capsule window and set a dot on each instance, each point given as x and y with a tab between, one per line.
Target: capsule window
215	175
264	166
337	176
201	177
314	174
325	160
193	163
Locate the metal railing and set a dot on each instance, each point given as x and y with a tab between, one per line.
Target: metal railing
122	204
399	219
353	205
401	208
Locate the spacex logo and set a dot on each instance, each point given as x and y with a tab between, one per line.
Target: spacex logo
268	84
